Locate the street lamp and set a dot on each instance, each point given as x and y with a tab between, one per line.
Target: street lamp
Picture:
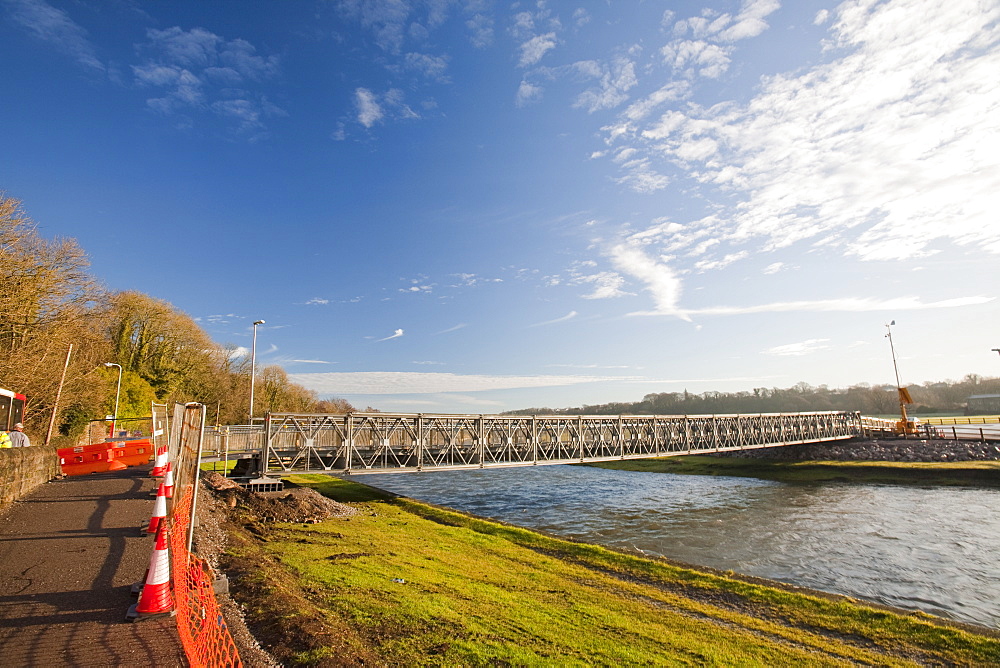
253	364
118	393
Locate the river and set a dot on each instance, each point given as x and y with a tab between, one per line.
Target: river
935	549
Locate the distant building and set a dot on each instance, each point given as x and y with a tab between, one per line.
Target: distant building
983	404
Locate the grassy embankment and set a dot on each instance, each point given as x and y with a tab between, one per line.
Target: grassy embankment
979	473
405	583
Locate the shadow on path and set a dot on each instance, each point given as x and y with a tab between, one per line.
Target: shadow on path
69	554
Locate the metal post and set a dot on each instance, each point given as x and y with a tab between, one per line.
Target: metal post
114	419
265	451
420	441
534	440
481	441
349	420
196	467
621	437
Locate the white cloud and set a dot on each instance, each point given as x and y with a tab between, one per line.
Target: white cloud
369	111
614	81
481	30
607	285
400	382
395	335
527	93
706	265
798	349
198	70
373	108
886	150
849	304
457	327
318	300
310	361
774	267
55	27
592	366
387	19
710	52
568	316
660	281
697	57
433	67
535	49
750	21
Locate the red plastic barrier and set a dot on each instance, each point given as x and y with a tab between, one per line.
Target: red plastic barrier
134	453
110	456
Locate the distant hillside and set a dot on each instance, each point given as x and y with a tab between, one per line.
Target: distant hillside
930	398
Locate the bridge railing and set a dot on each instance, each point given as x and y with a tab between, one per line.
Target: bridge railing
372	442
233	439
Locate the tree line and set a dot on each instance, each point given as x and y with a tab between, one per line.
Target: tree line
946	397
49	302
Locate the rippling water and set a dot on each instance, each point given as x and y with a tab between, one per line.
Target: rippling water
931	549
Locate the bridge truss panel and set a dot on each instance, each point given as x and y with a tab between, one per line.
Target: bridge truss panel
382	442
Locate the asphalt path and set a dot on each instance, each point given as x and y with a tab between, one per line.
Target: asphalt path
69	554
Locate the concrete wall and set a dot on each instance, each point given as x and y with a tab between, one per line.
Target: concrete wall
24	469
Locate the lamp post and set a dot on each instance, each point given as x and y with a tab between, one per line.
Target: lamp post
118	393
253	364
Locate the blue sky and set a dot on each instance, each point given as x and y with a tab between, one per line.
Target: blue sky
474	206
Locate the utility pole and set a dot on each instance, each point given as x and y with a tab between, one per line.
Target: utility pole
55	406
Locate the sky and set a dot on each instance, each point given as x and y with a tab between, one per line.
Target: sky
471	206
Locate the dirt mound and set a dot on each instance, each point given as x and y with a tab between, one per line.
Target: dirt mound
298	504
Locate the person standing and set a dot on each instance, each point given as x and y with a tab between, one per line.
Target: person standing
18	439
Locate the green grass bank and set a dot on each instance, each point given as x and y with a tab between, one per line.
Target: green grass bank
406	583
977	473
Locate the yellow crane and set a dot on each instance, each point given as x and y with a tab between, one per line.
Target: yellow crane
905	425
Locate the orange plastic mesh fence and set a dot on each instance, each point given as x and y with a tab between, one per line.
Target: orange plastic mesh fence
200	623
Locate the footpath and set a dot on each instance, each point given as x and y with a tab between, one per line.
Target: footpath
69	554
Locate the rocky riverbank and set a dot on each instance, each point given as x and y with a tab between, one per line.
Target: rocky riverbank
884	450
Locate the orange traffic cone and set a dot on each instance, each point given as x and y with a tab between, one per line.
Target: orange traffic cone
168	481
159	509
160	464
156	599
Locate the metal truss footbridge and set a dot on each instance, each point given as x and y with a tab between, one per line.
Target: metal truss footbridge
357	443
